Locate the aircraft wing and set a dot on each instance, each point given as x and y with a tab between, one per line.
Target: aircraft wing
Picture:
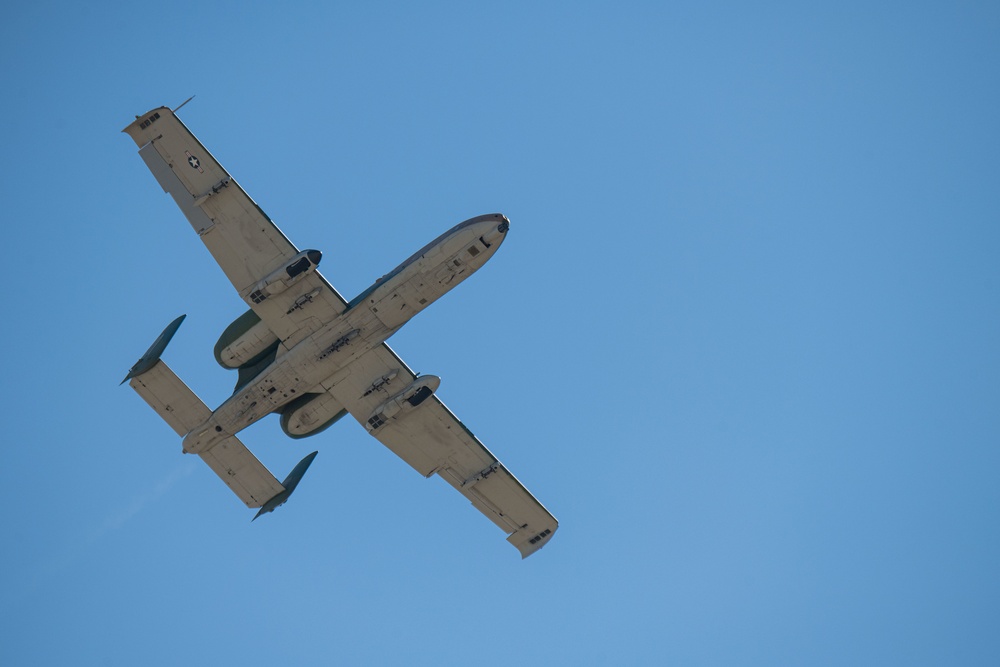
432	440
247	245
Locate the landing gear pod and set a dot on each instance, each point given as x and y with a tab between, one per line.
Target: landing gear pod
296	269
404	402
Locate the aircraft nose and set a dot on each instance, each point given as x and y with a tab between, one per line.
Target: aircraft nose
495	230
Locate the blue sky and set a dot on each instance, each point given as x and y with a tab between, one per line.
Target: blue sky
742	339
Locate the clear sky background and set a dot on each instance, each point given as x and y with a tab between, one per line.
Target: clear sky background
742	339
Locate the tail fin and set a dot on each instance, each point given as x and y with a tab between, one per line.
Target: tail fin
152	355
289	485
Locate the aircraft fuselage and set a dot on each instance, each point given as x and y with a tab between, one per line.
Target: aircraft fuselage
314	363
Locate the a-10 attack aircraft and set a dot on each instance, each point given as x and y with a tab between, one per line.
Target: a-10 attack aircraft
305	352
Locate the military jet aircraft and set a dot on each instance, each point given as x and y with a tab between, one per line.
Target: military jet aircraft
303	351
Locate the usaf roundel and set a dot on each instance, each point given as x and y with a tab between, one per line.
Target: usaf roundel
194	162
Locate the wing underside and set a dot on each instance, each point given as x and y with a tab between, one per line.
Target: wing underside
431	439
244	241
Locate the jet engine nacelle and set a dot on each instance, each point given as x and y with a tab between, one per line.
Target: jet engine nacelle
404	402
310	414
293	271
244	341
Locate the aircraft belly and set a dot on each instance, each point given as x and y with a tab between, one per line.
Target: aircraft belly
317	361
400	304
308	326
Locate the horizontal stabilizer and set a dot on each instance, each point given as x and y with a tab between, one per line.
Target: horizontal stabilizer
242	472
171	398
229	458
